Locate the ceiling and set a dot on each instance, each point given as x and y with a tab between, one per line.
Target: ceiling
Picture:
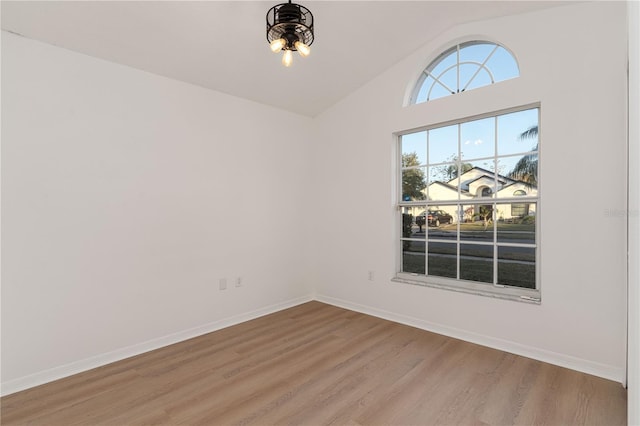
221	45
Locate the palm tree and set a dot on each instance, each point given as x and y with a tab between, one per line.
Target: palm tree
526	169
530	133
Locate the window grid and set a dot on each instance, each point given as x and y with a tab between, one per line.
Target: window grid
481	63
494	201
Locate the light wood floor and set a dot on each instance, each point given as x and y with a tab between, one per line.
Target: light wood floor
316	364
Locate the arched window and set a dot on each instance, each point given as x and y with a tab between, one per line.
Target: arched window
464	67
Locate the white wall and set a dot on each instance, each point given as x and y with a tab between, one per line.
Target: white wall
572	61
633	357
126	196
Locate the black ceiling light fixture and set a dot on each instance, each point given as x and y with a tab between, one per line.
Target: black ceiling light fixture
290	28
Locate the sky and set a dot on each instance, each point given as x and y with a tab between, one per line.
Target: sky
479	141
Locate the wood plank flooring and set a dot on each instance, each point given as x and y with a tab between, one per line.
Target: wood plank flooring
317	364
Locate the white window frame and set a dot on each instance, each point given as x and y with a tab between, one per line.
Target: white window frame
479	288
481	66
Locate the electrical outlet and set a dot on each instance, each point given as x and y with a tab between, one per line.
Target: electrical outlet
372	276
239	282
223	283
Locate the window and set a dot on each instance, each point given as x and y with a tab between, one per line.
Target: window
519	210
464	67
468	206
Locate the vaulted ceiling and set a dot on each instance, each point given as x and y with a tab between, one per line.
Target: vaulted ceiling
221	45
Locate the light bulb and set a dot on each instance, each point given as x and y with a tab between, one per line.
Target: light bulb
302	48
277	45
287	58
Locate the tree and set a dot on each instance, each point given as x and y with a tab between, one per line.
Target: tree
413	180
485	213
526	169
413	185
446	173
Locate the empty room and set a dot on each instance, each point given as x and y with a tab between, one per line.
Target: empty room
320	212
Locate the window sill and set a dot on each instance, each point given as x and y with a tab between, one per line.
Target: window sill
470	287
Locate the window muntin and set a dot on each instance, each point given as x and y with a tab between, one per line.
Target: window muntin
483	173
464	67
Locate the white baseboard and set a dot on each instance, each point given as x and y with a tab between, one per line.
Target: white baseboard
609	372
76	367
578	364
